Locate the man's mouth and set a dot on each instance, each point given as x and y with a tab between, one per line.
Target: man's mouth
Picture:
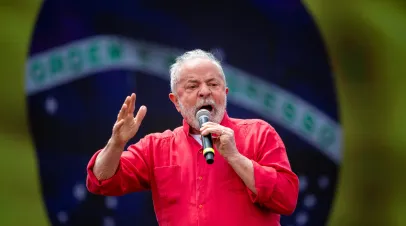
207	107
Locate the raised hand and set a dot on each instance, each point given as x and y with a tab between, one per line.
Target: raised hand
127	125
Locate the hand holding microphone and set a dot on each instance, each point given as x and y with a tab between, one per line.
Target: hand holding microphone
225	142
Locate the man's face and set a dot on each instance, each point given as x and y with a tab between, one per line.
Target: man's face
200	85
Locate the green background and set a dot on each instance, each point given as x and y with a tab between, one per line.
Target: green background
20	197
366	41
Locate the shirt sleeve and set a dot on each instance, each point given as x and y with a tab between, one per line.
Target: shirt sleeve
277	186
133	172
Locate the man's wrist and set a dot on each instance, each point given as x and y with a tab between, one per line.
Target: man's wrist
235	157
115	145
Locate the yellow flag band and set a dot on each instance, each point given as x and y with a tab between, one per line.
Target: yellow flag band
208	150
21	196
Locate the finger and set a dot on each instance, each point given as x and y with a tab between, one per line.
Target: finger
140	115
218	131
122	113
132	102
210	124
118	125
128	102
208	130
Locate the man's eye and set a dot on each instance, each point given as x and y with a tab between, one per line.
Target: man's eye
191	86
213	84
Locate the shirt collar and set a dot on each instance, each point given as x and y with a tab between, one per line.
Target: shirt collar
224	122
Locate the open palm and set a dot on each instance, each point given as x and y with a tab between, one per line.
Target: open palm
127	125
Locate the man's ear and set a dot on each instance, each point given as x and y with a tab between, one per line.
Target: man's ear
174	100
226	90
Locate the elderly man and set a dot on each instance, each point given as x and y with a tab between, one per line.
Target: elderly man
249	183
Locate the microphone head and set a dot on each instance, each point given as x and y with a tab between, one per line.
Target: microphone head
203	112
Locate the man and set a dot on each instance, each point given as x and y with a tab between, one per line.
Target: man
249	183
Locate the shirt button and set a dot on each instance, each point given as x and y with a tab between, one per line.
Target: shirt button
200	178
200	206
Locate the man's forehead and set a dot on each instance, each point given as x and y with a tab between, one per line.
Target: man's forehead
199	69
199	77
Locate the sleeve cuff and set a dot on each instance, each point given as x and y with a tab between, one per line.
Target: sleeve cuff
99	186
264	178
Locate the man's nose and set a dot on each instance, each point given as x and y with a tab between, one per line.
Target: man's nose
204	91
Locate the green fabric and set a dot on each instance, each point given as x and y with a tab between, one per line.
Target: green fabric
20	200
366	41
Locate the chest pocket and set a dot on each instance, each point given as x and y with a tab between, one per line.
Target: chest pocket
168	182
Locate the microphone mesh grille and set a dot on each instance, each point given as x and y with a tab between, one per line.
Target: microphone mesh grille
203	112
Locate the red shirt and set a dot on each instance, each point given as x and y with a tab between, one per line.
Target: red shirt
188	191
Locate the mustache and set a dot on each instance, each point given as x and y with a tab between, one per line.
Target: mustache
201	103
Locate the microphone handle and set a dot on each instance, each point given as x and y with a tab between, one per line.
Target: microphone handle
208	151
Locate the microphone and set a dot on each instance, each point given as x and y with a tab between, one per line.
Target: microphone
208	152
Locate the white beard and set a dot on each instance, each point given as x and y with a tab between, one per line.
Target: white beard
216	114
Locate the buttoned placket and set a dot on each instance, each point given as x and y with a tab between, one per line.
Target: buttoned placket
199	179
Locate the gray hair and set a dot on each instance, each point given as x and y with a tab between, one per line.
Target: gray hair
193	54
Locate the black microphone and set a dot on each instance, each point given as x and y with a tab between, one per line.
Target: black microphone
208	152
